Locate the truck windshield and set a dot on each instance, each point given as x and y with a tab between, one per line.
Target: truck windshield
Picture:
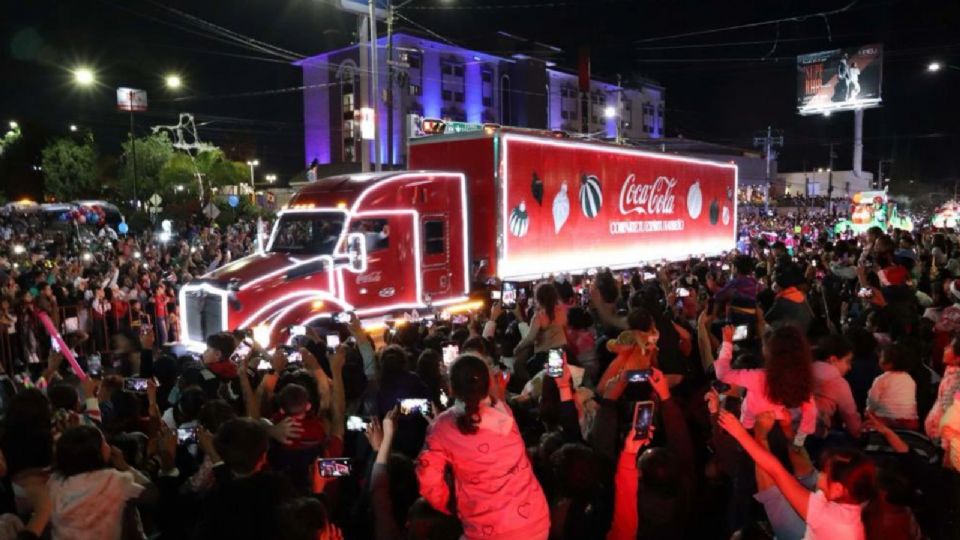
308	233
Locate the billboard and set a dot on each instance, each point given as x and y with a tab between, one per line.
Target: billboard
568	205
362	7
841	79
131	99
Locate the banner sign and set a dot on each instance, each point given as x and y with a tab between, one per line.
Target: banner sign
841	79
570	205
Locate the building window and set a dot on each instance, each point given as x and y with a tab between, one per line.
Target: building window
434	239
375	232
346	76
506	100
414	60
486	86
452	87
568	103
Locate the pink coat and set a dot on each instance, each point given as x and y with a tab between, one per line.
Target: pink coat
496	492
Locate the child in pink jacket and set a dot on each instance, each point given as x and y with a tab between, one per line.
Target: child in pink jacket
497	494
785	382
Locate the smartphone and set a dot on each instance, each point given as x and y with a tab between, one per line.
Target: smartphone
54	345
294	357
298	330
461	319
720	386
444	400
741	332
813	262
642	420
187	435
725	267
647	276
94	365
137	385
409	406
343	317
865	292
450	354
334	467
357	423
333	341
508	295
682	293
241	352
264	365
639	375
555	363
496	295
145	329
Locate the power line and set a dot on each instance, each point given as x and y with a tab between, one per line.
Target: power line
232	35
795	18
491	7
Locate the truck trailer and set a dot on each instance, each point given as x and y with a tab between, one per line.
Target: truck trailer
498	203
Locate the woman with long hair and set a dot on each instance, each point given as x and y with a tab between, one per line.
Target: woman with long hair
547	327
497	494
785	381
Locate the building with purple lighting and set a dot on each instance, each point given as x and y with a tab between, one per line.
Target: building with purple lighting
437	80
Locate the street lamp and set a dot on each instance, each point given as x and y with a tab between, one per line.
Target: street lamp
14	124
610	112
84	76
934	67
271	178
252	163
173	81
73	127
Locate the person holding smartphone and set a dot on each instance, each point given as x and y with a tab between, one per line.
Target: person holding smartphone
653	489
497	494
547	327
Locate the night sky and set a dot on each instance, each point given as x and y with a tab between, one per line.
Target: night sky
721	86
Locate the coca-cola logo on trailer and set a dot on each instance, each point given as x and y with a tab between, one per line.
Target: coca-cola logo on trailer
653	198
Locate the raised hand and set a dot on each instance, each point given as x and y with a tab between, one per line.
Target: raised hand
728	333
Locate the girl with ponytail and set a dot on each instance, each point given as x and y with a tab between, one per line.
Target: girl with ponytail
497	495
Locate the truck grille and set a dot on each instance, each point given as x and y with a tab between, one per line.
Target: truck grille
203	315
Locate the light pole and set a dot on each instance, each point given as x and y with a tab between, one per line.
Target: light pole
271	178
252	163
172	81
935	66
84	76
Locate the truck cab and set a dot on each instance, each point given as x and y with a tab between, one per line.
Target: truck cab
373	244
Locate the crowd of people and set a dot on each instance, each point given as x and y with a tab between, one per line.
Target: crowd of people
801	386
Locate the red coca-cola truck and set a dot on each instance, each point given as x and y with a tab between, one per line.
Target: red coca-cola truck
502	203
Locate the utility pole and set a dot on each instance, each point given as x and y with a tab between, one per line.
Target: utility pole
619	109
830	181
375	73
767	142
390	11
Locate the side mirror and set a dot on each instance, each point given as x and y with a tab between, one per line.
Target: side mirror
357	252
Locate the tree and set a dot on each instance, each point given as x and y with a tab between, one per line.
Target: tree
153	153
70	168
217	170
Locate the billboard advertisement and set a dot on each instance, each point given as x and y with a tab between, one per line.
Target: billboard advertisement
131	99
841	79
567	205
